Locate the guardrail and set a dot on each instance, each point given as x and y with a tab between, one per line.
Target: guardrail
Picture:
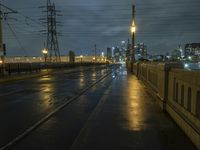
18	68
177	92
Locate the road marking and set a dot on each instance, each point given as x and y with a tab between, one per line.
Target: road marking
84	131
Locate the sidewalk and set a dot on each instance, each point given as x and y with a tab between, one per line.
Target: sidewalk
127	118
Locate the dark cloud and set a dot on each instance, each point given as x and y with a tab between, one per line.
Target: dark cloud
162	25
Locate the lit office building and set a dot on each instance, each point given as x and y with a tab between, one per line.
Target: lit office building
192	50
140	51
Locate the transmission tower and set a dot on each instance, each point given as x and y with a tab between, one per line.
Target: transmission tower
52	34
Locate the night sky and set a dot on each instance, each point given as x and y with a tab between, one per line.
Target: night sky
162	25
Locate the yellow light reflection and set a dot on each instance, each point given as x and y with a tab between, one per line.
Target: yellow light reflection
134	111
93	74
134	116
47	89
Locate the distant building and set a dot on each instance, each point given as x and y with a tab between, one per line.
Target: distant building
117	54
120	52
141	51
158	57
176	54
182	51
128	52
123	49
109	53
192	49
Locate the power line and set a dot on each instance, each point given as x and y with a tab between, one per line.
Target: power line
15	35
37	22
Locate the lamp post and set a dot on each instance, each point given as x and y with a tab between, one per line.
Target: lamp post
45	53
81	56
93	58
133	30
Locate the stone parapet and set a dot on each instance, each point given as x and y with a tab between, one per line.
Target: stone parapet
177	91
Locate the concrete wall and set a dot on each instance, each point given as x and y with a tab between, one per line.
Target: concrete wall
184	101
177	91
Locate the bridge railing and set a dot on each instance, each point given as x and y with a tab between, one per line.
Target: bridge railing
18	68
177	91
183	102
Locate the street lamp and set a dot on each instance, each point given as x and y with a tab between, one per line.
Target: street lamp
133	30
81	56
45	53
94	59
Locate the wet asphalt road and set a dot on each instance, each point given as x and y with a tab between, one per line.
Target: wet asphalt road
23	103
117	113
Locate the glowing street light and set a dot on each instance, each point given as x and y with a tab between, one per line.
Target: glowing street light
93	58
81	56
190	57
133	29
45	53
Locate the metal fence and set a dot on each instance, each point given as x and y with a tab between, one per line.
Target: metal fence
18	68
